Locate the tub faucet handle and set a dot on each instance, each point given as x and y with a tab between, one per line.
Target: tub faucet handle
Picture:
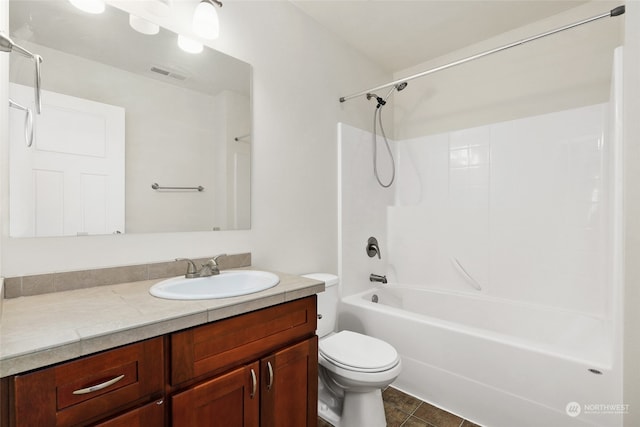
372	247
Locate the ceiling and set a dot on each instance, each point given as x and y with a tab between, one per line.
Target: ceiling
398	34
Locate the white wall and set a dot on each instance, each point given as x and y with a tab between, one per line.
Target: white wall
4	133
631	113
562	71
299	72
363	207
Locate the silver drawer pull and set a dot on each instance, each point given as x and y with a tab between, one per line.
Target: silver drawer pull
99	386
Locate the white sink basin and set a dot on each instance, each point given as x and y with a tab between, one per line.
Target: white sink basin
226	284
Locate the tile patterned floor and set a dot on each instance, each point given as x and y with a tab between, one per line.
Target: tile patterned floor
403	410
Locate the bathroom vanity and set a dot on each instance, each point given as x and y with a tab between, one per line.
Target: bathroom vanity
248	361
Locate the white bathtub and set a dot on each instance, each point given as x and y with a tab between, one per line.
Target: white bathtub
496	362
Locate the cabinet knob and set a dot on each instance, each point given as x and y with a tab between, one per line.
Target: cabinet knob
319	315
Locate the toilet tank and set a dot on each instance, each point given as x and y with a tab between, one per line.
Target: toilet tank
327	302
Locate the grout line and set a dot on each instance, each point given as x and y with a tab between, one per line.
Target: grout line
415	410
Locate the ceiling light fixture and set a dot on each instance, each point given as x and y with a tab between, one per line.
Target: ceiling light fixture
205	19
143	26
189	45
89	6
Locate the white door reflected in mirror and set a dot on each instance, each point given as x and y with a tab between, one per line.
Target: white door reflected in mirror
71	181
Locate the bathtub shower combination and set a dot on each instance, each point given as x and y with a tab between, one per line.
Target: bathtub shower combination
502	246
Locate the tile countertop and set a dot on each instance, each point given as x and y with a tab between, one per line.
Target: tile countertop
41	330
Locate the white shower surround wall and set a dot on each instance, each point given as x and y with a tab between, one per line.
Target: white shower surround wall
520	204
531	208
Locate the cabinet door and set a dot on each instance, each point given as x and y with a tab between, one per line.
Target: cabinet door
150	415
229	400
289	386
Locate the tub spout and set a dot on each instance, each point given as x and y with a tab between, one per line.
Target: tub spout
377	278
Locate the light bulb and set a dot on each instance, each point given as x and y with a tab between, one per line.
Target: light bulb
189	45
205	21
143	26
89	6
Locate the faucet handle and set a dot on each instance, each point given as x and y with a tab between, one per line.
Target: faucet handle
372	248
192	270
211	267
215	258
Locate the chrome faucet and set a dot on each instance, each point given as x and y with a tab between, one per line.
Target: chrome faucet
377	278
210	268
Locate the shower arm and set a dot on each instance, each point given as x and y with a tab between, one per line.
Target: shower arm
7	45
612	13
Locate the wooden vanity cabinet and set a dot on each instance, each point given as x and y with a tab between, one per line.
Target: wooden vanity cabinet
257	369
278	391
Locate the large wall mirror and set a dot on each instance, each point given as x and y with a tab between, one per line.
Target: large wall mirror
122	111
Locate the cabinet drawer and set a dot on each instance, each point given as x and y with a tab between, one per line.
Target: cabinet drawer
149	415
221	345
87	388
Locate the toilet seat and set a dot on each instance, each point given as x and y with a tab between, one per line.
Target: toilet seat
359	353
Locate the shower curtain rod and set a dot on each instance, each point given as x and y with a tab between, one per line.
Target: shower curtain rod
613	12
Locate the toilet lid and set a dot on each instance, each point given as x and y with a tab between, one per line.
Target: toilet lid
357	352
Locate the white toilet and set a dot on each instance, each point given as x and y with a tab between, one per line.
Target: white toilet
354	368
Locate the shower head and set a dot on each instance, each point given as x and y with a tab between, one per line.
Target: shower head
398	87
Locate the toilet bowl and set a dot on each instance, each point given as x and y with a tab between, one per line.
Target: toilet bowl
353	368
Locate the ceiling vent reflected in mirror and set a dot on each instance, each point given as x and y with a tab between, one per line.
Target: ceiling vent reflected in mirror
165	71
